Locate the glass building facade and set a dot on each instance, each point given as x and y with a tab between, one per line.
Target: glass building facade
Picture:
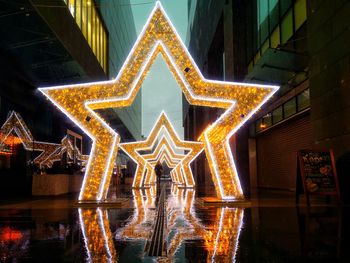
91	25
276	22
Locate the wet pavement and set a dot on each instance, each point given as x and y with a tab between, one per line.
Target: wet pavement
57	230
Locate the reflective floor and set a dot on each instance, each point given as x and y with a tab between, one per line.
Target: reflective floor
56	230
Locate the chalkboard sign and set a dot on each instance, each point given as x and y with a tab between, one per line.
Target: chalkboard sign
318	173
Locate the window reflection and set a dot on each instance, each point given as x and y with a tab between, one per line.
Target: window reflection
90	24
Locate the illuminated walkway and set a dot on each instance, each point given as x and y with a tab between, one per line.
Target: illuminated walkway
56	229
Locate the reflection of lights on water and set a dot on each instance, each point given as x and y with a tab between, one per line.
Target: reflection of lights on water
9	234
140	226
97	235
220	239
13	243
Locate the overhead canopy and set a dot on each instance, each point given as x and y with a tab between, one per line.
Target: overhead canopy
277	66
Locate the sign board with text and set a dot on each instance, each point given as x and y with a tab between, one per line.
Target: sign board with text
318	173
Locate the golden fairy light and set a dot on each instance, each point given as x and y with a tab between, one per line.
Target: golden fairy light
97	235
239	100
162	125
50	152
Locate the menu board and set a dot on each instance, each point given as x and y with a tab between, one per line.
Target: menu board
318	172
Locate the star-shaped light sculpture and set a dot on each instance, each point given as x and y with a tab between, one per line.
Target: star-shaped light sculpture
50	152
167	160
240	101
162	125
177	176
15	124
162	153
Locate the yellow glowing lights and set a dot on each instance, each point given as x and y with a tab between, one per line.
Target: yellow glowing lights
220	238
97	235
162	153
162	125
240	101
51	152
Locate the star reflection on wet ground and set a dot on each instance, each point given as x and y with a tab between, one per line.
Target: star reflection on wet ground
55	230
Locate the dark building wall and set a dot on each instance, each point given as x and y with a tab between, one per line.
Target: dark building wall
41	45
217	41
329	47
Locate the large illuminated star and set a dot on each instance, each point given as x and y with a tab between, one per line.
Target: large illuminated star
240	101
162	153
162	125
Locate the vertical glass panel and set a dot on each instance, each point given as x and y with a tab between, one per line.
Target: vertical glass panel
257	57
89	22
71	7
273	14
264	31
102	46
265	46
287	27
303	100
250	66
285	6
299	13
277	115
263	11
93	28
84	16
267	120
258	125
289	108
98	40
78	12
275	37
272	5
252	130
105	59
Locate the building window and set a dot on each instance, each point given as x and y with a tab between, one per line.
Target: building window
273	14
259	125
265	46
287	27
299	13
90	24
290	108
71	6
285	6
303	100
275	37
277	115
252	130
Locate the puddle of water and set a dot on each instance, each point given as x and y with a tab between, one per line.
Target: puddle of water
193	233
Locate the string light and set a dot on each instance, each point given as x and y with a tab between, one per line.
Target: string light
240	101
162	124
97	235
50	152
163	153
